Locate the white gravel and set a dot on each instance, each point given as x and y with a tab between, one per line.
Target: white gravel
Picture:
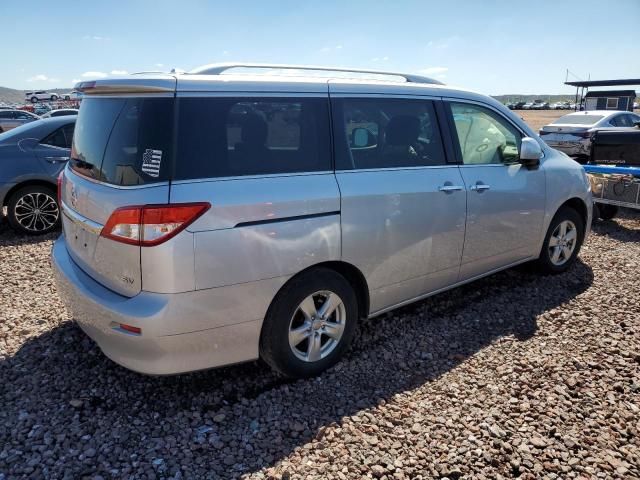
512	376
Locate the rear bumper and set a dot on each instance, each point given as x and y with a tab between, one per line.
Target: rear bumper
582	147
157	351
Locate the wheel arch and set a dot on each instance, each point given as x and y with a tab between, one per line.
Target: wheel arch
351	273
579	206
27	183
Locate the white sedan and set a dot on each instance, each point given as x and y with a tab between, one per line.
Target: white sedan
571	133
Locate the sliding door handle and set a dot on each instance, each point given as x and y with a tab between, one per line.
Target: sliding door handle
479	187
449	188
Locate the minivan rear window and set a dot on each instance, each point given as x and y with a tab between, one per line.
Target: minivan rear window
228	137
124	141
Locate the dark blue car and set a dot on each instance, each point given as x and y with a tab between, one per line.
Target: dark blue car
31	157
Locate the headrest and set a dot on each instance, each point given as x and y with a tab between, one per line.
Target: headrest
402	130
254	129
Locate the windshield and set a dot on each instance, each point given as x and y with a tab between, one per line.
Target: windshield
124	141
578	120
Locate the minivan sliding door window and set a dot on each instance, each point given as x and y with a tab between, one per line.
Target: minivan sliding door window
374	133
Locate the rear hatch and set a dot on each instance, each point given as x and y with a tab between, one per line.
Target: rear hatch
121	156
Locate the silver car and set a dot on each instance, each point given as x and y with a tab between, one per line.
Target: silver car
14	118
572	133
211	218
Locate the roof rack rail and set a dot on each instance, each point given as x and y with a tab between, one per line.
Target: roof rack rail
218	68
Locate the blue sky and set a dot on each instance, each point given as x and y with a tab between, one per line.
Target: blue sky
497	47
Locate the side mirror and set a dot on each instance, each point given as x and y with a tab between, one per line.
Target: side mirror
530	152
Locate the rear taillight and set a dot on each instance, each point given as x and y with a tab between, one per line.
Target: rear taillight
149	225
60	176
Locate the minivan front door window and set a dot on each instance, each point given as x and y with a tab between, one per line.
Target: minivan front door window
484	138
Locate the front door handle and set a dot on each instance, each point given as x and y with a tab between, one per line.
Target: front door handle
56	159
448	188
479	187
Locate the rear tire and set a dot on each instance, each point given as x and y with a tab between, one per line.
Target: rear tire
562	242
606	211
299	341
54	98
34	99
33	210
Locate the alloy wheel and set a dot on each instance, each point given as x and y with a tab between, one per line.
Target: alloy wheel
317	326
562	242
36	212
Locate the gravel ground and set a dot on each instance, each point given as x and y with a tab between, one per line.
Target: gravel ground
511	376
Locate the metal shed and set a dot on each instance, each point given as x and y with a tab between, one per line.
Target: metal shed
582	84
610	100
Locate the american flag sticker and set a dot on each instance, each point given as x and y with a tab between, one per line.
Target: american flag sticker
151	162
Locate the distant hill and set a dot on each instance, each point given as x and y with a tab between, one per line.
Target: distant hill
10	95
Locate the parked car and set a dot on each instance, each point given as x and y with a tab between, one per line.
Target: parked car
572	133
40	109
528	106
560	106
518	105
14	118
31	157
540	106
249	233
60	112
40	95
72	96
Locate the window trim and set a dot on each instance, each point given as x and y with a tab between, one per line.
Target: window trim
336	109
60	128
447	104
616	105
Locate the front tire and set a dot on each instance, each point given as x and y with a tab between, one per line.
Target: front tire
33	210
34	99
562	242
310	324
54	98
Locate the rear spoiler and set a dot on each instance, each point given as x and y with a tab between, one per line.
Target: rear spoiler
138	84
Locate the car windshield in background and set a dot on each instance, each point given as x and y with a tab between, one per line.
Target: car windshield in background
578	120
124	141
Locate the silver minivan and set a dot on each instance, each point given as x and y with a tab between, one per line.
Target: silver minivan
211	218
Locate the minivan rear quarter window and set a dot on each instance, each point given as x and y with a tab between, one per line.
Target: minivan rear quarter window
124	141
228	137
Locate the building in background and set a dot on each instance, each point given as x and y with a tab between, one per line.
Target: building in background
610	100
